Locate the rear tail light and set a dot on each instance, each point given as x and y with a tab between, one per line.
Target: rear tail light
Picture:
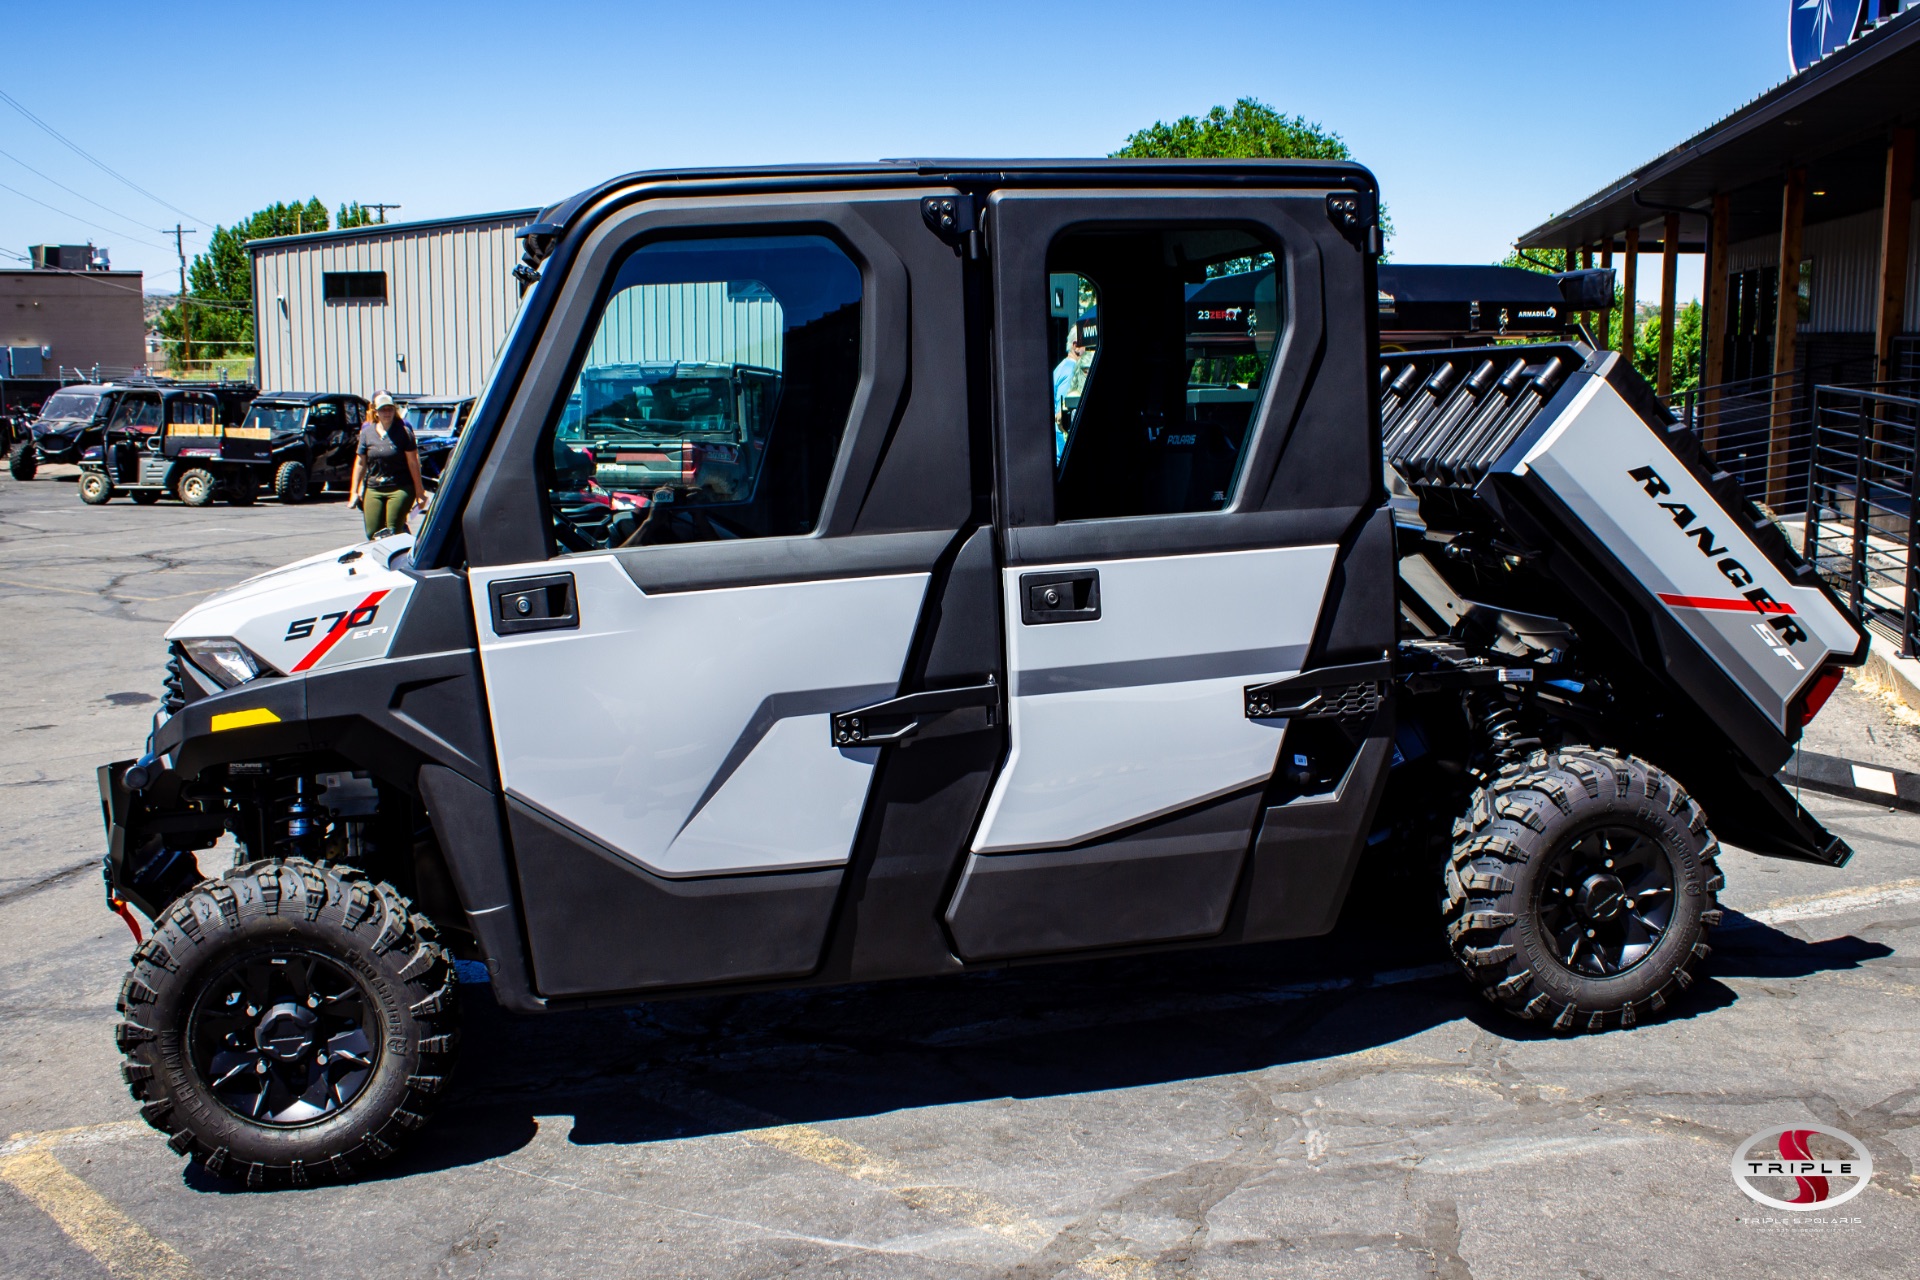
1815	695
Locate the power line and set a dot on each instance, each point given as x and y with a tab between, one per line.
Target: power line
97	163
70	191
76	217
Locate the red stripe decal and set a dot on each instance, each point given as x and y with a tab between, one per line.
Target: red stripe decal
1738	602
334	633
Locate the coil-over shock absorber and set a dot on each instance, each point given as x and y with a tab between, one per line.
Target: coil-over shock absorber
1503	735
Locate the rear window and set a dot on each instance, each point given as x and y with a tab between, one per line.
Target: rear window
75	405
279	419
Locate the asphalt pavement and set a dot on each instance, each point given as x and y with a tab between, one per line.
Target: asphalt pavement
1339	1107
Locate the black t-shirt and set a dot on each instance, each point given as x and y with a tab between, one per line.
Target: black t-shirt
385	455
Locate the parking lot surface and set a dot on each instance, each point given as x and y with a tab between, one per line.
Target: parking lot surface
1338	1107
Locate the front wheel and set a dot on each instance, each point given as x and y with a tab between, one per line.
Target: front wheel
23	461
1580	889
195	487
95	488
290	482
289	1022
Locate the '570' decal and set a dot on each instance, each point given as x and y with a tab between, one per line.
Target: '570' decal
337	625
301	628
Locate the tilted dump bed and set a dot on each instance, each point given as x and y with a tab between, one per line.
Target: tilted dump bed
1558	465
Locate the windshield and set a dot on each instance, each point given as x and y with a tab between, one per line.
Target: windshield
279	419
71	406
670	401
430	420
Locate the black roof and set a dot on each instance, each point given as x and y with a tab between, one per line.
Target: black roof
553	220
306	397
1841	105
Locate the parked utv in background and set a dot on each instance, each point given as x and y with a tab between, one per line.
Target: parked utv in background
75	418
437	422
164	441
20	401
314	435
1027	620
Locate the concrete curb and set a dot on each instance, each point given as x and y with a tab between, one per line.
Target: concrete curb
1869	783
1900	676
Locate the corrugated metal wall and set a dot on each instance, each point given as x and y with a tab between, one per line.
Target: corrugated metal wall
688	322
451	297
1846	270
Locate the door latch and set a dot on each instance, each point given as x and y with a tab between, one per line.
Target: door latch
545	603
1069	596
894	721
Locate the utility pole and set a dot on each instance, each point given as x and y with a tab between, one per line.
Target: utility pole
186	316
381	209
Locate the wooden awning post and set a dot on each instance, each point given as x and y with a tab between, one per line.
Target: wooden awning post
1669	286
1896	216
1605	331
1716	280
1786	333
1630	295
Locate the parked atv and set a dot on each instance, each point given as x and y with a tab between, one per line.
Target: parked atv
964	654
165	441
74	419
437	422
314	434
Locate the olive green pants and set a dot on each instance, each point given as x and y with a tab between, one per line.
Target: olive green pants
386	509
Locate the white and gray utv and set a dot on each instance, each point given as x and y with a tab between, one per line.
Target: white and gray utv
1025	583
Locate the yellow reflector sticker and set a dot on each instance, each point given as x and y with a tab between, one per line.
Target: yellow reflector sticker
244	719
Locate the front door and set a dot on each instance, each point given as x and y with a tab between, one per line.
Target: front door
739	515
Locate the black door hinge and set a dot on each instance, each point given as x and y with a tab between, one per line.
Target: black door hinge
956	220
1357	216
1352	692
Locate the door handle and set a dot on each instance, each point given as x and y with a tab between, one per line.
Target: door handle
546	603
1072	595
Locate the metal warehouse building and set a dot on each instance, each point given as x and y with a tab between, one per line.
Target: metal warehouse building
417	308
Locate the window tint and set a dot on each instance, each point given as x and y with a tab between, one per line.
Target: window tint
138	413
1160	344
712	397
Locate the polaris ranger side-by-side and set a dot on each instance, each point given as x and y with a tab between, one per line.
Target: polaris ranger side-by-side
165	441
1034	615
74	419
314	434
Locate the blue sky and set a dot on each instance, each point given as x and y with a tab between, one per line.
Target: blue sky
1480	118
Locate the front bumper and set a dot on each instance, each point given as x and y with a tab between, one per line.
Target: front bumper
151	837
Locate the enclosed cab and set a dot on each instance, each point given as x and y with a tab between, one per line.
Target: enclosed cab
313	434
162	441
905	569
74	419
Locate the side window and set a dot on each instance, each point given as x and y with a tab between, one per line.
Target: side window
712	397
1160	344
138	413
353	413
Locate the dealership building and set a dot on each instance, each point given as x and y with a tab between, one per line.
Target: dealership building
414	308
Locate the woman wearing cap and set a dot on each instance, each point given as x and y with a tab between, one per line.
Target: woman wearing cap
386	469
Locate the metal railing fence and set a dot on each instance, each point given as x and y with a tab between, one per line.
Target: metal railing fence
1863	504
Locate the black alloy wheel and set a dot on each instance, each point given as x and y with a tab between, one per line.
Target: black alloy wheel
281	1038
1580	889
1606	900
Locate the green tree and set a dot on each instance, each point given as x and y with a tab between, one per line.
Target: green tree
1249	130
353	215
215	315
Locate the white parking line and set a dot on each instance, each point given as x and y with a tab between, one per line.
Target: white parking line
1840	903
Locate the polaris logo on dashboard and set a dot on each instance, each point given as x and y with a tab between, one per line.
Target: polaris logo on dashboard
1761	600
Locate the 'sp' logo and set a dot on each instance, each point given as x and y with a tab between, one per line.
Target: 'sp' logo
1814	1168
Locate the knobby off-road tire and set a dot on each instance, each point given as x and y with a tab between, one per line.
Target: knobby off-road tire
290	482
1580	889
248	990
241	491
95	488
195	487
23	461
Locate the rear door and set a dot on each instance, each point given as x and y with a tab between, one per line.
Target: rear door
1189	466
665	661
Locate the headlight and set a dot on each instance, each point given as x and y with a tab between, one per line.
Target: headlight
227	662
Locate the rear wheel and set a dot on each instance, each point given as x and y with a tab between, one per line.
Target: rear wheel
289	1022
290	482
23	461
95	488
195	487
1580	889
145	497
242	490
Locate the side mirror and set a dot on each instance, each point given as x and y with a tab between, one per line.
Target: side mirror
1589	290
